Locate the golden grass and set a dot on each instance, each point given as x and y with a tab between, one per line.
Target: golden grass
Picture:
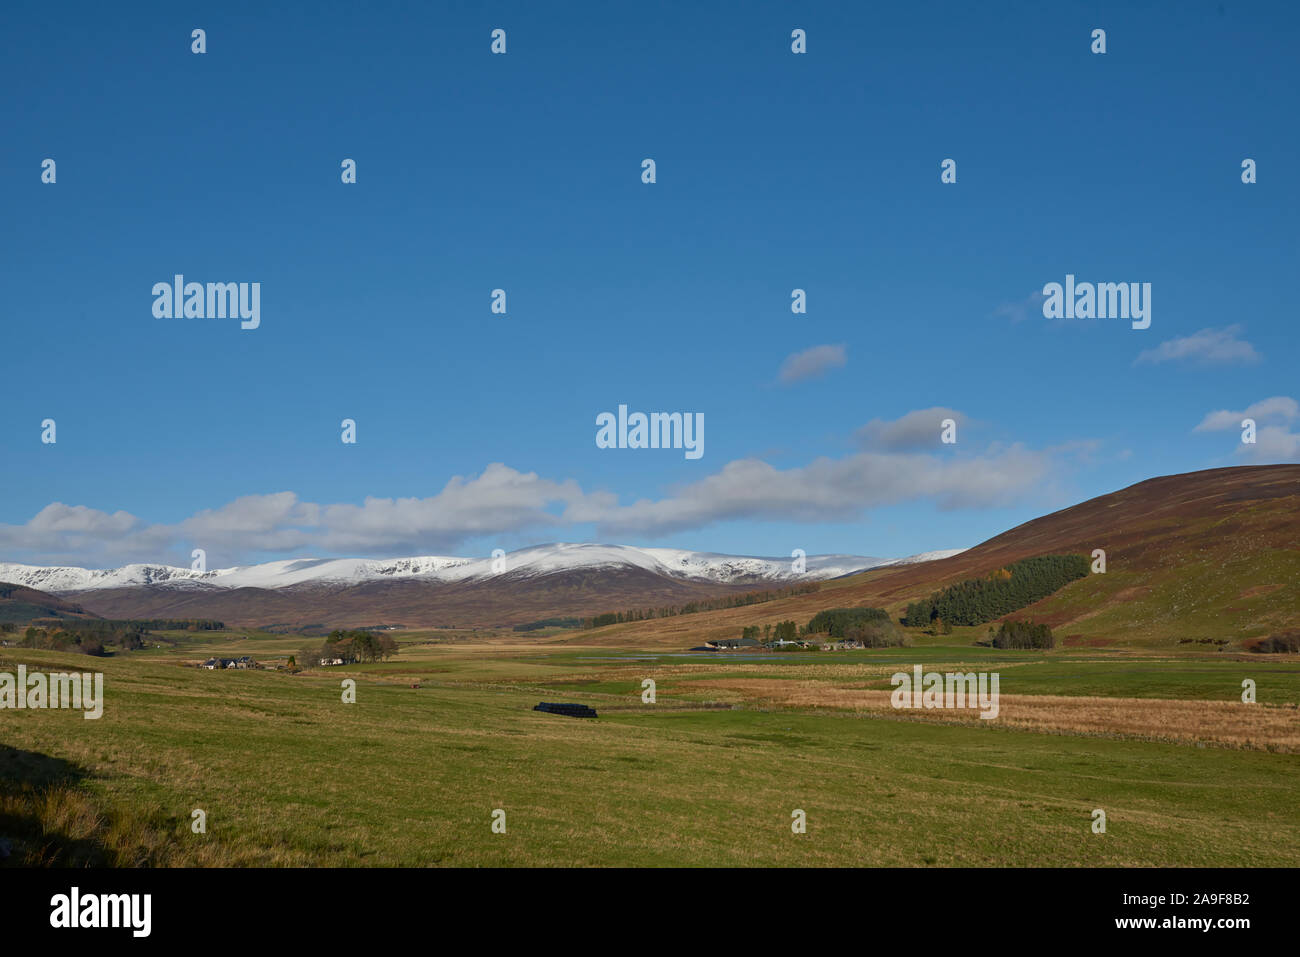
1221	723
67	825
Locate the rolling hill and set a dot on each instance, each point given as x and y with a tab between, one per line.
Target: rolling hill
19	605
1202	555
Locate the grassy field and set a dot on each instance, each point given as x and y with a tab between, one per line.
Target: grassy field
288	774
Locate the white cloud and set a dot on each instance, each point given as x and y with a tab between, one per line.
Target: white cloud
1273	444
914	431
1274	441
812	363
1209	346
502	501
1278	407
829	490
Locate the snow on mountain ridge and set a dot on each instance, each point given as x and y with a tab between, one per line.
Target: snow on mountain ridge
926	556
537	560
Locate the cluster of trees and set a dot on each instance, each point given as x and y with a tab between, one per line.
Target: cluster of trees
93	635
702	604
783	631
1022	634
1284	643
356	645
871	626
127	635
876	634
549	623
835	621
61	639
977	600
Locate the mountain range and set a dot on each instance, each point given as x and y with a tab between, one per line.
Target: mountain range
540	581
1210	558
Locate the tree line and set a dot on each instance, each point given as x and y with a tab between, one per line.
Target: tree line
977	600
549	623
784	631
177	624
836	621
62	639
873	627
699	604
350	646
127	634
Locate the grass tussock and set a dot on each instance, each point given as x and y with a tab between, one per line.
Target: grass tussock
65	825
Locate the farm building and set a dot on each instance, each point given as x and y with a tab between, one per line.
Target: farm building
730	644
221	664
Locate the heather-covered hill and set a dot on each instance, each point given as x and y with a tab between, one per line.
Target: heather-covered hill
1203	555
19	605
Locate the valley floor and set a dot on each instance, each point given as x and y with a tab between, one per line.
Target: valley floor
287	774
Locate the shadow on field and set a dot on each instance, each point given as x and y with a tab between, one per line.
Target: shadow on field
41	811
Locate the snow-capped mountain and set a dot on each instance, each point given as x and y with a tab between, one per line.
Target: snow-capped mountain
536	561
925	557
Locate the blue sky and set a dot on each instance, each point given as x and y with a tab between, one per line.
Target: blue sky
775	171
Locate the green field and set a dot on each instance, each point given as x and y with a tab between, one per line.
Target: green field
290	775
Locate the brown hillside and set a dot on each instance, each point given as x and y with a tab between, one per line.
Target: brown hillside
1204	555
20	604
1161	520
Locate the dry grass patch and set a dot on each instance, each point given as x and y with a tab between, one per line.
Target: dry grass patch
1222	723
